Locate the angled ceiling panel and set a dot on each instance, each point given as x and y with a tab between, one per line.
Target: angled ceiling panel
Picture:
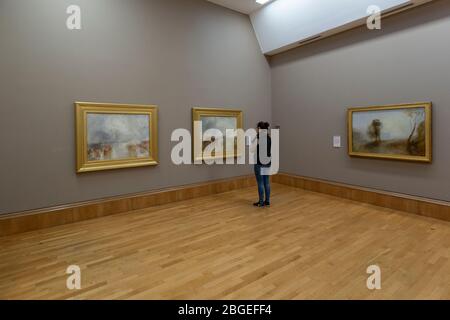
243	6
286	24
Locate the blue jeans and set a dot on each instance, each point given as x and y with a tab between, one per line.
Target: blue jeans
263	184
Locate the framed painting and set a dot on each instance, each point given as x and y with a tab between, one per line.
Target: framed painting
114	136
215	120
398	132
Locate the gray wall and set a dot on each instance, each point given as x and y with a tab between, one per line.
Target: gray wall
184	53
174	53
407	61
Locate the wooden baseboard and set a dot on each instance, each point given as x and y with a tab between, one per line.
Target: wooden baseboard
60	215
417	205
50	217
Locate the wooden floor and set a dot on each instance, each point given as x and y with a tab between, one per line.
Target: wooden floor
306	246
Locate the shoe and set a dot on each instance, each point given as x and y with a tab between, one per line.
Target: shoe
267	203
258	204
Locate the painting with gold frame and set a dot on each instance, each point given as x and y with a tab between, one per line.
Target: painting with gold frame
397	132
114	136
216	119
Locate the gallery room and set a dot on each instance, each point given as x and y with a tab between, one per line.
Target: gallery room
225	150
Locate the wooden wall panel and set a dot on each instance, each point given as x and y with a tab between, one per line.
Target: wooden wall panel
60	215
417	205
50	217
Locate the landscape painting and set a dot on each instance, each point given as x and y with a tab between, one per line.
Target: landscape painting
400	132
212	122
117	136
111	136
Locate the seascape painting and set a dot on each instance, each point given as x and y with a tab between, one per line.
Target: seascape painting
117	136
210	124
396	132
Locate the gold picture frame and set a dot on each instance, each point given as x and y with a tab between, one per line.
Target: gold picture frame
220	114
395	138
114	136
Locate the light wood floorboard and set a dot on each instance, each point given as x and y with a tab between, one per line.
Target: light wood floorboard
306	246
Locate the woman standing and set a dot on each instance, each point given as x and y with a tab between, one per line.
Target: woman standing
263	163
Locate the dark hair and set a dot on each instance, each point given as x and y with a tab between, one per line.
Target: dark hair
263	125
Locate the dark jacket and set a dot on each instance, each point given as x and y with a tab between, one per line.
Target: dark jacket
268	153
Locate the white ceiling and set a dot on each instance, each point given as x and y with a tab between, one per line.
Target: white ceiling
244	6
